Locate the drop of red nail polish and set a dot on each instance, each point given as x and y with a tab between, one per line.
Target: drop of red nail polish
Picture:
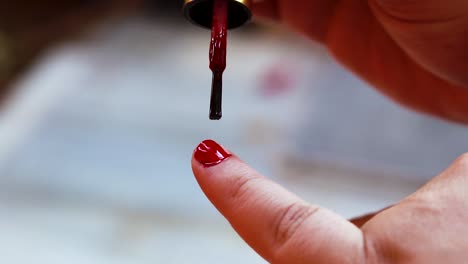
217	56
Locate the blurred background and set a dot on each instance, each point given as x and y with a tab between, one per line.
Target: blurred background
103	103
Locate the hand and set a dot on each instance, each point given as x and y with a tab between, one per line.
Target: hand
427	227
415	52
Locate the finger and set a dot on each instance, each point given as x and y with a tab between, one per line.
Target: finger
276	223
360	42
431	32
355	34
413	24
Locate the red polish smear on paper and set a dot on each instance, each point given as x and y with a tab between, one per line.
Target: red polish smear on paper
218	48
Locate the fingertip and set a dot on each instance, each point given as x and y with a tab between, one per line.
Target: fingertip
218	172
207	160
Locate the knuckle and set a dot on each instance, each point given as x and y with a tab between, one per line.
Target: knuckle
410	10
462	160
290	220
395	6
399	5
240	186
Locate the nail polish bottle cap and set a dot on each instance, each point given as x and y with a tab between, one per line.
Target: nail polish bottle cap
200	12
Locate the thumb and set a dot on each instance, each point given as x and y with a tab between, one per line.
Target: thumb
423	11
277	224
432	32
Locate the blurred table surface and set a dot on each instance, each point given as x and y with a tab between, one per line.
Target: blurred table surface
95	146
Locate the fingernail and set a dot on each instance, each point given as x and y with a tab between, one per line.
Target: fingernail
209	153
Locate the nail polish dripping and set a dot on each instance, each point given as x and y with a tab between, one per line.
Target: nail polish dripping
218	56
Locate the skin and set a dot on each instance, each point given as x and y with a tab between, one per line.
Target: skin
415	52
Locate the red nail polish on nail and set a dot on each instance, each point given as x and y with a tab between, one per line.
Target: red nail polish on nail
210	153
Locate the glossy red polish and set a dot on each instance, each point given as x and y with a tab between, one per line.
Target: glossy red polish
209	153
